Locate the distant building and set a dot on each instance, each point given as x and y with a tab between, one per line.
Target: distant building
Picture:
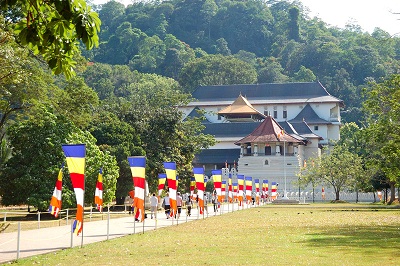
247	122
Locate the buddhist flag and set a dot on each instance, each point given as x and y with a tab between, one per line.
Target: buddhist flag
192	186
273	191
249	188
265	189
138	170
257	183
280	134
98	194
55	203
223	190
240	188
161	183
235	191
230	194
217	178
75	155
199	177
170	170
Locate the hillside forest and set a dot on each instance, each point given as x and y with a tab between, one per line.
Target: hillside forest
115	87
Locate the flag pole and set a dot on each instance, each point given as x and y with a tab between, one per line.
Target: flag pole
83	207
144	205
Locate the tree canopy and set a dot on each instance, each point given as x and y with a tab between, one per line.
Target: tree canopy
53	28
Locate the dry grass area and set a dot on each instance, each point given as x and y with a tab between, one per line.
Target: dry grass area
325	234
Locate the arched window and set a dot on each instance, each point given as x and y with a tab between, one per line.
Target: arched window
266	162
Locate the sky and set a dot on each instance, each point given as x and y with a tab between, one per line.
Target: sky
369	14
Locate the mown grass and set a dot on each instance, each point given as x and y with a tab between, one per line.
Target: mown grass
337	234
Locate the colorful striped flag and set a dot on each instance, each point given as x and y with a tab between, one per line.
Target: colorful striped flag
257	184
55	202
161	183
217	178
230	194
192	186
273	191
235	191
199	177
170	170
75	155
223	190
249	188
240	188
138	170
98	194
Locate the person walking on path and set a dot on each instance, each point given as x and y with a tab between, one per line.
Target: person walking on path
189	205
153	206
205	203
179	202
166	205
215	202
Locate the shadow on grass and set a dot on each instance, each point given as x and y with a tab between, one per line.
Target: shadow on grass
357	237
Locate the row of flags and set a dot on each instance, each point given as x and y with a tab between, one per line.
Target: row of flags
75	155
75	158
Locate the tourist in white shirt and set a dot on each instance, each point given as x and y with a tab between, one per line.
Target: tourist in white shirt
153	206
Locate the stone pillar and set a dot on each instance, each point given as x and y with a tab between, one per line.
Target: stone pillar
290	149
277	150
255	153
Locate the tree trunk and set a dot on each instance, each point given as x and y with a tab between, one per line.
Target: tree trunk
337	195
392	193
374	196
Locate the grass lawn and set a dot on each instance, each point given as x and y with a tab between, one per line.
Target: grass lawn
320	234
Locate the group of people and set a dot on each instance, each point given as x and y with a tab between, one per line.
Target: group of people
179	203
166	205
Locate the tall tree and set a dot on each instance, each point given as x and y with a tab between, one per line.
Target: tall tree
120	140
165	137
23	81
294	31
383	131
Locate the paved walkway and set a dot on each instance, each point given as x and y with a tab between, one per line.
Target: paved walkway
45	240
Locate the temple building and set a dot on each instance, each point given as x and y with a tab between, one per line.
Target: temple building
266	131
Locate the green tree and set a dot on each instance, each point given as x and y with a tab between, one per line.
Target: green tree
150	56
304	75
77	102
165	137
216	70
53	29
29	176
294	31
208	10
23	81
120	140
270	71
383	131
339	169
